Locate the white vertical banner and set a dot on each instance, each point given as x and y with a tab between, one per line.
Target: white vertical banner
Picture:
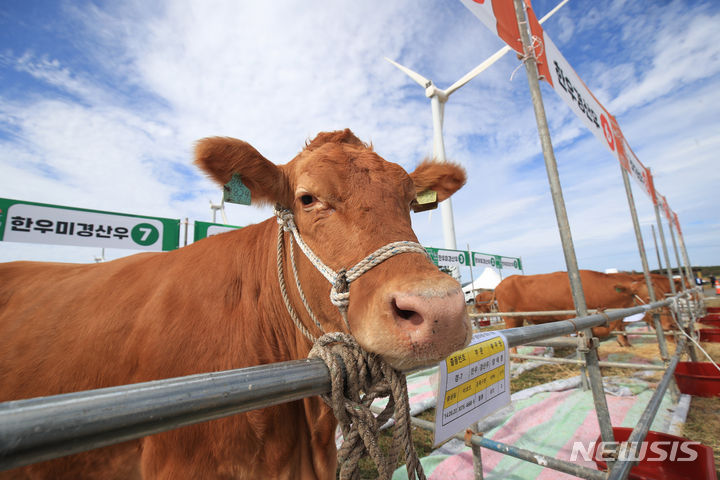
499	17
662	203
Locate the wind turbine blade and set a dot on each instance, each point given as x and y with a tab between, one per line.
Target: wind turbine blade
419	79
495	57
478	70
552	12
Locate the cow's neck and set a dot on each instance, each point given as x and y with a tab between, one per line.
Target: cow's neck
255	270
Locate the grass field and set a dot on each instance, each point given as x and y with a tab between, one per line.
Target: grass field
703	420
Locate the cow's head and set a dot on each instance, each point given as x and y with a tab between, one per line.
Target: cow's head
661	288
347	202
484	301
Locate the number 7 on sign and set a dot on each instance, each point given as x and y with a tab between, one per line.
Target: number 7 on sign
145	234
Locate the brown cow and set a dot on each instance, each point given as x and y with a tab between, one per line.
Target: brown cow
551	291
661	287
216	305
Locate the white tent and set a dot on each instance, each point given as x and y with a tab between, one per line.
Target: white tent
487	280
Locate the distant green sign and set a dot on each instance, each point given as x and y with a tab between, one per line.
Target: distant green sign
30	222
208	229
461	258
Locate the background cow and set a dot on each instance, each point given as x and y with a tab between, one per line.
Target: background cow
551	291
216	305
661	287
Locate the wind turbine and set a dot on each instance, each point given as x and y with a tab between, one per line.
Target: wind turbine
215	207
438	97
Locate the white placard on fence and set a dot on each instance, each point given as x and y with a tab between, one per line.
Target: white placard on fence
474	382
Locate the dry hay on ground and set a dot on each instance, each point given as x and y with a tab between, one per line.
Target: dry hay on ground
648	350
712	301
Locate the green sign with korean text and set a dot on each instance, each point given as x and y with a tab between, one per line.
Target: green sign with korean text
444	257
208	229
31	222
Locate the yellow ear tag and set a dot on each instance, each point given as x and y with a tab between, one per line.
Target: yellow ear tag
426	200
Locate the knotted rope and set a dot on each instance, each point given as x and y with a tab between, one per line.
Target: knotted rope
368	378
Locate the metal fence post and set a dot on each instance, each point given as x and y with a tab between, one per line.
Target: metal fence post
472	277
591	356
646	270
688	266
677	255
657	249
476	450
668	270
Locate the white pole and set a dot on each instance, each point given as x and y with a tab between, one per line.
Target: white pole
438	107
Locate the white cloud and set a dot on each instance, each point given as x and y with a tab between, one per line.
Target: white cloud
118	135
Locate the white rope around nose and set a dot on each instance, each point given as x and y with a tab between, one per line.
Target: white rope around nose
340	281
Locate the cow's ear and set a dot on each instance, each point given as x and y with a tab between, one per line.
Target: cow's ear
443	178
223	157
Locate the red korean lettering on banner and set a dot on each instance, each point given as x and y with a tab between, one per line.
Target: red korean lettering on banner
608	132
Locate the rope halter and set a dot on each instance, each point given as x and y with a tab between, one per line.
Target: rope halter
368	375
340	281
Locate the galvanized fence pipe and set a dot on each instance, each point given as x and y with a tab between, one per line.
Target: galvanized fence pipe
643	258
643	334
666	256
531	333
39	429
569	361
621	468
540	313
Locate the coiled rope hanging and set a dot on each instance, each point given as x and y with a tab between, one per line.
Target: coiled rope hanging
357	377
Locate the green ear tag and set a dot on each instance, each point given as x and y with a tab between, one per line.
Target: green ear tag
235	191
426	200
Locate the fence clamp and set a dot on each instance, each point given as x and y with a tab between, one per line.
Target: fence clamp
585	343
468	436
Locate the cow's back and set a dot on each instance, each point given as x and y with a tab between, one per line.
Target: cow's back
551	291
526	293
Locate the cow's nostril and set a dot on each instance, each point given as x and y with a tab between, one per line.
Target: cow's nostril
406	314
403	313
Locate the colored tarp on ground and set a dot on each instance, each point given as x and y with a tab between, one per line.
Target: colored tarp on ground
547	423
546	419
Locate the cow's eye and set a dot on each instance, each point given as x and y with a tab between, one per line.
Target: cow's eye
307	199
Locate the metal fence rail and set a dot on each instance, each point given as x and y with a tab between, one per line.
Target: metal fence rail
44	428
40	429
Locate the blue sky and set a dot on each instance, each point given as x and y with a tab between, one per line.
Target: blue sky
100	103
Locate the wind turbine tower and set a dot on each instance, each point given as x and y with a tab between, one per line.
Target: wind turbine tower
215	207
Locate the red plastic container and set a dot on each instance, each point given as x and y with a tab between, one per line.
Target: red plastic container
713	309
701	379
710	335
711	320
672	468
